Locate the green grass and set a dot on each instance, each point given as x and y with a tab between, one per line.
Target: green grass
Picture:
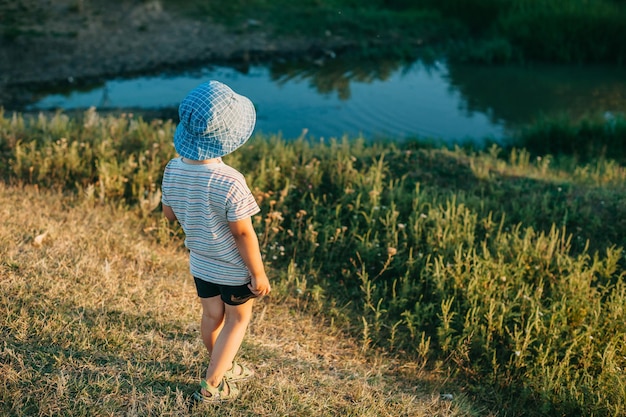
99	319
487	31
491	31
590	138
503	265
566	31
361	25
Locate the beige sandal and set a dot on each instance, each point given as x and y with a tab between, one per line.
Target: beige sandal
244	374
223	392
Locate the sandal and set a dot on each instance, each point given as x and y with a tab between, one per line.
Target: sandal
244	374
223	392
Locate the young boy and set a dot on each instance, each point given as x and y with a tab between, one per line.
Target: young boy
214	205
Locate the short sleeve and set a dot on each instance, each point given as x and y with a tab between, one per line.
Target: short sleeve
242	204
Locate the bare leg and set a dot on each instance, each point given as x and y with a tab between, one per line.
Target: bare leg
228	342
212	320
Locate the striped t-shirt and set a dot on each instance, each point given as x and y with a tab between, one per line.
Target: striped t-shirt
205	198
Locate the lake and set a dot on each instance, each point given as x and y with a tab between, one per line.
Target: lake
396	100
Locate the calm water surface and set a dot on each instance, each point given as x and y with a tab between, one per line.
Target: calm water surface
435	100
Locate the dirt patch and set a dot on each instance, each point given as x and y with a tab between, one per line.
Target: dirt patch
66	41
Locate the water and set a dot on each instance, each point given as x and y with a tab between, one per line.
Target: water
395	100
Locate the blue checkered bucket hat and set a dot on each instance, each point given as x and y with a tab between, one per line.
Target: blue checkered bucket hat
214	121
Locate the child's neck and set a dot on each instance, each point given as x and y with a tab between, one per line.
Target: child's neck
202	162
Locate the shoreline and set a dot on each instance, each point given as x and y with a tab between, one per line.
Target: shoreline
66	51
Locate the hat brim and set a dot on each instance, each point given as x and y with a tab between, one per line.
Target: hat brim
223	141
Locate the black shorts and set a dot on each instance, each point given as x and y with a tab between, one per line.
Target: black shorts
231	295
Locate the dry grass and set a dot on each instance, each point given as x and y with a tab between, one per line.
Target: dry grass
98	319
470	261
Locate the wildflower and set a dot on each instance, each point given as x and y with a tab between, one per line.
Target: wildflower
391	251
518	353
276	215
423	216
401	226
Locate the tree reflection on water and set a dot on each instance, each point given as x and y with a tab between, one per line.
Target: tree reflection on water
509	96
335	75
521	94
514	94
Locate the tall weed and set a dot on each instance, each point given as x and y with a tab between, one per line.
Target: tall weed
505	264
120	158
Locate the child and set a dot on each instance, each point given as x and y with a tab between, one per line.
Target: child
214	205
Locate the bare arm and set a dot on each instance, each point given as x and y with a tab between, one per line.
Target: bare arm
248	245
169	213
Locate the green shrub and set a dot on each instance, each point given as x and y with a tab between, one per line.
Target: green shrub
582	34
593	137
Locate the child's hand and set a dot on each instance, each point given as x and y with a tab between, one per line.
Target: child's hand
260	285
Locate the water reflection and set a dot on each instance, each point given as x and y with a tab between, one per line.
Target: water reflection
328	75
519	95
330	97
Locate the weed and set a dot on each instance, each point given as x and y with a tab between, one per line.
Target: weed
506	265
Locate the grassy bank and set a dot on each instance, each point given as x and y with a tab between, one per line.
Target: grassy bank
98	319
493	31
570	31
504	266
488	31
